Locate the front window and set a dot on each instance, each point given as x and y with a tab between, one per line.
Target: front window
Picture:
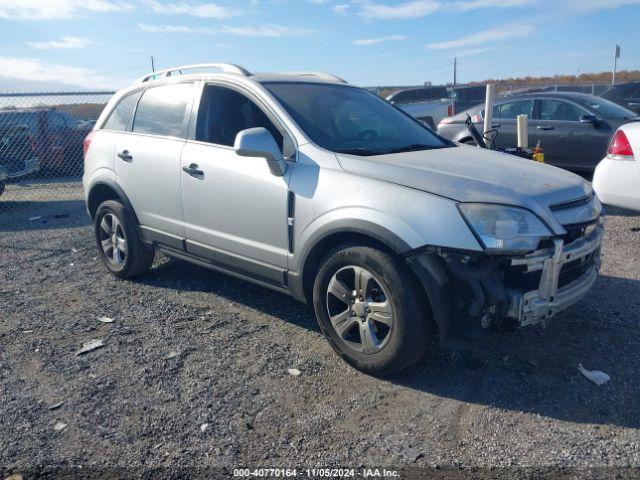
609	109
345	119
560	111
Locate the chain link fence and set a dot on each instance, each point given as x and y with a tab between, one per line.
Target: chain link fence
41	156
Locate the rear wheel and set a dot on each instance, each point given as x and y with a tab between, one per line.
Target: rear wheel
121	249
372	310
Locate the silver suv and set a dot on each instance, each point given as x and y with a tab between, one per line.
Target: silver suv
309	186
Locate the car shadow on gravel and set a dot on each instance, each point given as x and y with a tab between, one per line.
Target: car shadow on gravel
186	277
535	370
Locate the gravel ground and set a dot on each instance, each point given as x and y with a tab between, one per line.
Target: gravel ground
194	369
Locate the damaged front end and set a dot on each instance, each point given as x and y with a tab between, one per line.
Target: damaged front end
514	288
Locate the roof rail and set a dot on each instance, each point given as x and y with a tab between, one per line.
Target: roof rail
225	67
321	75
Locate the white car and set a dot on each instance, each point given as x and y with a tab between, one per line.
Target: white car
617	177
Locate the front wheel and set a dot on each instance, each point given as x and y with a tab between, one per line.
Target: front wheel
372	309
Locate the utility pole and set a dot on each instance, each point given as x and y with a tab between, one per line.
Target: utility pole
616	56
453	89
455	70
153	64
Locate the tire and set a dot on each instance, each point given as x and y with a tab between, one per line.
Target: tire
134	257
2	185
391	290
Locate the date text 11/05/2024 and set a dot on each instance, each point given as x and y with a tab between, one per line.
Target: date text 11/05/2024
316	472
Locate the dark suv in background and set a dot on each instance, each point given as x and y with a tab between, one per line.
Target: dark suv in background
626	94
40	139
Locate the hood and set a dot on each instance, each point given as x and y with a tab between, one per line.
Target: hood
471	174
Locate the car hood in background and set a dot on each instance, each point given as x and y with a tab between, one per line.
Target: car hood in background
471	174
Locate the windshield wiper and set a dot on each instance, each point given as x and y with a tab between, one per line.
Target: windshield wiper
412	148
362	151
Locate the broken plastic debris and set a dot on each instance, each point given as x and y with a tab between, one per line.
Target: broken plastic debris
74	250
27	331
596	376
172	354
294	371
56	405
31	219
15	476
89	346
59	426
105	319
204	426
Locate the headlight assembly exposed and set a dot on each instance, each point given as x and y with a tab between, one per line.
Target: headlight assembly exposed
503	229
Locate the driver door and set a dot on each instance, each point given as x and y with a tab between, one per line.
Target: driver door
235	210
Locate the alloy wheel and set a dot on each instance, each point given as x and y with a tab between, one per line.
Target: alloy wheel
113	240
359	309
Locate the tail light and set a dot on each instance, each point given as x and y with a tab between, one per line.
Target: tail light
620	148
87	143
450	111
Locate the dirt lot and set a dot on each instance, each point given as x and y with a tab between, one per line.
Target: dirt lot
193	371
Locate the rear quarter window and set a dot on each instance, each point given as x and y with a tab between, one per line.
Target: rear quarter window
121	114
161	110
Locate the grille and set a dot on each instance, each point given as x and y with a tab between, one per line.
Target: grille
578	202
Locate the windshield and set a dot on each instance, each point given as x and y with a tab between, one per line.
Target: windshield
351	120
609	109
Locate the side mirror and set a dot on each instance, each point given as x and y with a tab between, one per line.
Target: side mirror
592	119
258	142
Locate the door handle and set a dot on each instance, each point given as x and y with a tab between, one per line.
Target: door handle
125	155
544	127
193	169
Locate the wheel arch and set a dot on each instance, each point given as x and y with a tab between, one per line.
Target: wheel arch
102	191
347	231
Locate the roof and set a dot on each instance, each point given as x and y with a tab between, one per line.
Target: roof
235	70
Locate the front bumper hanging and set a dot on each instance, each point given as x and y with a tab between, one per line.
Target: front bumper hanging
539	305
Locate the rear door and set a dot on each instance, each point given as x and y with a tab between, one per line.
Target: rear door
148	160
504	121
566	141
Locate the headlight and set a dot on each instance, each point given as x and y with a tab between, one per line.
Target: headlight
504	229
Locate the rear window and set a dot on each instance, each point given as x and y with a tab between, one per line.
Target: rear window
161	110
120	116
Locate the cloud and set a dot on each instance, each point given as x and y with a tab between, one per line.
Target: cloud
145	27
375	41
415	9
204	10
500	33
268	30
64	42
465	6
421	8
342	8
474	51
58	9
588	6
34	69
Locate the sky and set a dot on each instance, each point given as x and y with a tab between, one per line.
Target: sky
106	44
